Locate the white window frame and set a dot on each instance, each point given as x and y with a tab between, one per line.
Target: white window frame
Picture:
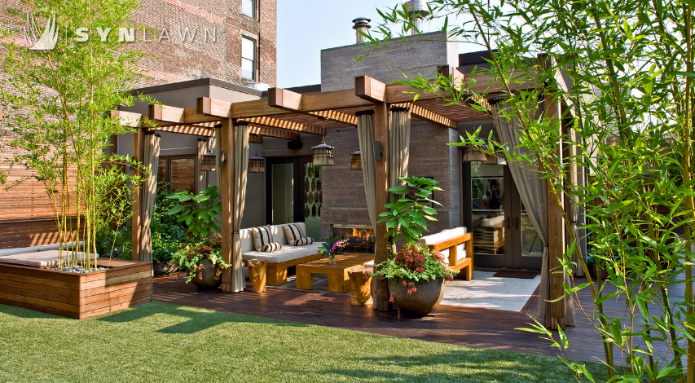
253	8
253	60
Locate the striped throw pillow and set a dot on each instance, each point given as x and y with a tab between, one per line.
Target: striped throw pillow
303	241
273	246
261	237
293	232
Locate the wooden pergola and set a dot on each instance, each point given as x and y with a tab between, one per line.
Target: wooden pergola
285	114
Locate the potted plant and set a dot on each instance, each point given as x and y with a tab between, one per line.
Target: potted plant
203	262
332	247
416	273
200	254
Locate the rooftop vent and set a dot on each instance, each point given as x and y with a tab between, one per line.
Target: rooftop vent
361	24
418	9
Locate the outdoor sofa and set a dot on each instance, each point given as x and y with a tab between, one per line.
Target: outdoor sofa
279	260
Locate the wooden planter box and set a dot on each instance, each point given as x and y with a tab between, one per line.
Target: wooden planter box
124	284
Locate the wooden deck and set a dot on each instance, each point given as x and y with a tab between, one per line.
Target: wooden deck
472	327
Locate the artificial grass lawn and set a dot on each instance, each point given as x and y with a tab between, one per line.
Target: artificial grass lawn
166	343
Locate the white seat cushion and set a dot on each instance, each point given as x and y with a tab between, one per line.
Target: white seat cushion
246	238
286	254
48	258
32	249
446	235
495	222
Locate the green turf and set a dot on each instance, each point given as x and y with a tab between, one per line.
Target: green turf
158	342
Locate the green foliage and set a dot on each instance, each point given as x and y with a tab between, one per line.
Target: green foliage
197	212
333	245
57	107
624	70
414	263
405	217
191	257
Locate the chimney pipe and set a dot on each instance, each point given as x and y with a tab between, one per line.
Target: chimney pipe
418	9
361	24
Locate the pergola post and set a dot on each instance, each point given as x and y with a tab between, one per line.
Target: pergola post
381	184
226	196
138	155
556	224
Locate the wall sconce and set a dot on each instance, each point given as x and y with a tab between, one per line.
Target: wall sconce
379	150
223	158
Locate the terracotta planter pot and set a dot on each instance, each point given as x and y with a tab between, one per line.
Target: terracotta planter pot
206	279
422	301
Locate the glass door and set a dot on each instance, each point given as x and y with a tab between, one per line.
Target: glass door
503	235
488	200
294	193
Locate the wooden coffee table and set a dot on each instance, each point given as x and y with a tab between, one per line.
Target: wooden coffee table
338	279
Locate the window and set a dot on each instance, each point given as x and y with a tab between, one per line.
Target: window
248	58
248	7
179	171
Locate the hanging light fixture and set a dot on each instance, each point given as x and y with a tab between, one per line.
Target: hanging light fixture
472	153
323	154
356	163
208	162
256	163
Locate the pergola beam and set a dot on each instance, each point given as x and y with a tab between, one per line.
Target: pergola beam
374	90
170	115
289	125
320	105
272	132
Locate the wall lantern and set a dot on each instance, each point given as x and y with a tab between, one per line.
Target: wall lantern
323	154
356	163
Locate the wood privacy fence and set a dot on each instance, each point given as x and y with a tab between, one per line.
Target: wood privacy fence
26	215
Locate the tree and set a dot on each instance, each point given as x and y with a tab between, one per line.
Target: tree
629	66
57	104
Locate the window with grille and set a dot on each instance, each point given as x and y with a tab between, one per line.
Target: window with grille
248	58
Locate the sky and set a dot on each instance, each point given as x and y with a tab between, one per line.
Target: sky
305	27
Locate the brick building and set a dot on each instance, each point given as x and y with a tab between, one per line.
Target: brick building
188	39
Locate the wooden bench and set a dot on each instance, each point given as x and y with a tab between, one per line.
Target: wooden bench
451	244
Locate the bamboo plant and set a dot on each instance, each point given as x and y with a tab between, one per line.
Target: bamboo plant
624	70
57	105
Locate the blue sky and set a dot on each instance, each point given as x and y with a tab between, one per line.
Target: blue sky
307	26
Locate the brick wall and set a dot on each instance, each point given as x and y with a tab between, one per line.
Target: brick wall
414	55
172	60
430	156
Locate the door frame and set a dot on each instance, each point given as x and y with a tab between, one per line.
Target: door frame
298	173
511	258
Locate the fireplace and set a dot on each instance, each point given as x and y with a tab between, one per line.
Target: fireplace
361	237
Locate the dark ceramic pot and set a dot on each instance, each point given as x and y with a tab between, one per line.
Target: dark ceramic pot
422	301
206	280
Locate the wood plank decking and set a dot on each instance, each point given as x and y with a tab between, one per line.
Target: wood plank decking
472	327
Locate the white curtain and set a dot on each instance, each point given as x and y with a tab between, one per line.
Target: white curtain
148	193
218	149
399	145
241	166
365	132
533	191
203	148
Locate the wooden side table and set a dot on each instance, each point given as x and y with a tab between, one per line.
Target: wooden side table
257	274
338	280
361	286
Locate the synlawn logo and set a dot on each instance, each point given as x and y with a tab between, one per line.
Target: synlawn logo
47	40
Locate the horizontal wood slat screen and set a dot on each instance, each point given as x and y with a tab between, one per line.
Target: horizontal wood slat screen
27	201
29	233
